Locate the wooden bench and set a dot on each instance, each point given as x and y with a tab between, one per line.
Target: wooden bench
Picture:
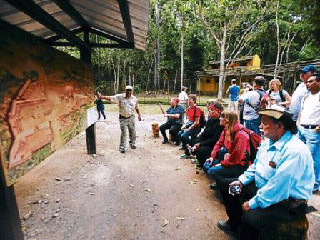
294	230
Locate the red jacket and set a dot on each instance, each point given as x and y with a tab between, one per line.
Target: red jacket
236	148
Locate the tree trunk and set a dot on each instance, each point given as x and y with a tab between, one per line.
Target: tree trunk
175	81
222	58
275	74
157	54
129	77
182	65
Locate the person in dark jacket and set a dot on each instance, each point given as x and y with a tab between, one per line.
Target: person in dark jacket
205	142
100	106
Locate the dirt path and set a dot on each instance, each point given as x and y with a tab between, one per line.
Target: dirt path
147	193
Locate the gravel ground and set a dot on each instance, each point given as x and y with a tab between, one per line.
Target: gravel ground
147	193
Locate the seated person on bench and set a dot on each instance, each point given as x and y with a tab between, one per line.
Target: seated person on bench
276	187
207	139
174	121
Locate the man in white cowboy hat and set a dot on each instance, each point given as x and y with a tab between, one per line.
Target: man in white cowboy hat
127	104
276	187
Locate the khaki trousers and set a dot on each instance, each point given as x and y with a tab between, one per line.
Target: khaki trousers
130	124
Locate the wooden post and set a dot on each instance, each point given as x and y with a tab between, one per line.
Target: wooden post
155	130
91	139
85	55
10	224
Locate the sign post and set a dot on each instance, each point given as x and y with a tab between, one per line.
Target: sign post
91	131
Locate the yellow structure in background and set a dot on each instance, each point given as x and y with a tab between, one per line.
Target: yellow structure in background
243	69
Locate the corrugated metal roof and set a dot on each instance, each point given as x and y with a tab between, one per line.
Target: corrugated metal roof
125	21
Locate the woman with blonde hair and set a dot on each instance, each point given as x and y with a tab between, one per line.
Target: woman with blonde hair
229	153
276	95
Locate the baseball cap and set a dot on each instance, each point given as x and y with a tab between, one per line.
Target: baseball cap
129	87
259	78
309	68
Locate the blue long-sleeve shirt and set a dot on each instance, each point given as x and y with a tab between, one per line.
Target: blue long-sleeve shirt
291	176
177	110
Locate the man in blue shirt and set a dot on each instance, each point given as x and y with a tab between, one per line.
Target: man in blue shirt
233	91
276	187
174	121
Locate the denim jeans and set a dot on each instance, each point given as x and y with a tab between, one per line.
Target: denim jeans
210	170
312	139
188	136
253	125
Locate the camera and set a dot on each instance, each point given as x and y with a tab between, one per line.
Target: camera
235	189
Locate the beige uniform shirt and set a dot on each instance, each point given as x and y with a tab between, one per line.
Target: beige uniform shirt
127	106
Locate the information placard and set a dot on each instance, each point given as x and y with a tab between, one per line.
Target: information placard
92	116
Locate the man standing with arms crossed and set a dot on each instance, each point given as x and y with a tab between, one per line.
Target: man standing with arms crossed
127	104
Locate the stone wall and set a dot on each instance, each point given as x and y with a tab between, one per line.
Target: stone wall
44	94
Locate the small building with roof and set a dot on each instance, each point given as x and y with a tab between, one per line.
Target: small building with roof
242	69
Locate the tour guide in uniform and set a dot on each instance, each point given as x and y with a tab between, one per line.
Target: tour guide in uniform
127	104
276	187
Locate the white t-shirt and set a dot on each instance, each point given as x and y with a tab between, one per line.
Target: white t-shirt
252	97
296	100
183	97
310	109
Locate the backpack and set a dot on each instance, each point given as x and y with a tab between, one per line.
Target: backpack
254	142
202	120
283	99
261	104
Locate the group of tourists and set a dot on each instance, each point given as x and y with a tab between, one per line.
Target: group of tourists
265	169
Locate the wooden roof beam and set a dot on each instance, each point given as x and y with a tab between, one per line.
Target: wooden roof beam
58	37
113	38
125	13
93	45
72	12
30	8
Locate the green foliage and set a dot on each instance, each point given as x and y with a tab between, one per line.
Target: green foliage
251	27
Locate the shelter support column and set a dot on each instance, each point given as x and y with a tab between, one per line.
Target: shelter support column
85	55
10	224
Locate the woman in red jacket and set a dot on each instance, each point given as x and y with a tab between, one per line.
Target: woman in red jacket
229	153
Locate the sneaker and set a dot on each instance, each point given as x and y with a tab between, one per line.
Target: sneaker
177	144
165	141
122	149
224	225
185	156
213	186
133	146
